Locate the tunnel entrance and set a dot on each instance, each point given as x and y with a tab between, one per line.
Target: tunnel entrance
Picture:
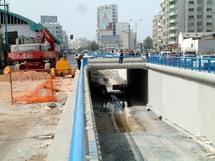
109	95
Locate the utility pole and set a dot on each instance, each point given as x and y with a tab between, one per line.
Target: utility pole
135	22
6	8
129	37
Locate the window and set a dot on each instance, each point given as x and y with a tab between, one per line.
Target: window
208	30
209	16
191	2
191	16
199	16
199	1
191	9
209	2
191	24
209	24
199	8
209	9
199	23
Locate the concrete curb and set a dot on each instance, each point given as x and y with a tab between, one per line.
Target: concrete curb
59	150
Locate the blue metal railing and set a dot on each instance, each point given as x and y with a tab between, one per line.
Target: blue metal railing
193	63
77	146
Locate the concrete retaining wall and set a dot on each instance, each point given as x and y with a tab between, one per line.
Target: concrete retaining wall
184	97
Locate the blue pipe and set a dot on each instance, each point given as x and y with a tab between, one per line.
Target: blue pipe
77	146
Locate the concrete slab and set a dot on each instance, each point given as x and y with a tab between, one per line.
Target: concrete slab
161	141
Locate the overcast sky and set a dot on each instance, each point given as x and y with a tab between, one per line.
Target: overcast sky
78	17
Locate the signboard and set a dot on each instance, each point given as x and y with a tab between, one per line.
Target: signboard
106	21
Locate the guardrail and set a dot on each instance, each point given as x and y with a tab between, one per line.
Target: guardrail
193	63
77	147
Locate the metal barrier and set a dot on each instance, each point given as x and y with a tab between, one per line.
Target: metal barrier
193	63
77	147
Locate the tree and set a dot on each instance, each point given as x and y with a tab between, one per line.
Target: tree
148	44
93	46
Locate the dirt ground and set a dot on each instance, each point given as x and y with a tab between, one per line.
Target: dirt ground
27	130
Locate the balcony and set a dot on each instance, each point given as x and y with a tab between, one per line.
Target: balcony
172	6
172	13
172	35
172	20
172	42
173	28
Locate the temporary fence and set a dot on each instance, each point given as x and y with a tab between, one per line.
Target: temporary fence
31	86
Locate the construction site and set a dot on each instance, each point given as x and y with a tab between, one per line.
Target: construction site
29	113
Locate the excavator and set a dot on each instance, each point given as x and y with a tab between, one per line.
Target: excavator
39	55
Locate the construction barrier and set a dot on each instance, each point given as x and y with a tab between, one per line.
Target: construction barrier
31	86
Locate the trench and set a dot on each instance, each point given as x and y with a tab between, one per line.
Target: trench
111	122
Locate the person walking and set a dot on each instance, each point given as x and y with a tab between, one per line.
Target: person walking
79	61
121	56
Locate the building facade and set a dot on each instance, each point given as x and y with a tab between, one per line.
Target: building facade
125	35
156	35
65	40
107	17
51	23
184	16
17	26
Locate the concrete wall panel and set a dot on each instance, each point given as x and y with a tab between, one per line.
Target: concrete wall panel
185	100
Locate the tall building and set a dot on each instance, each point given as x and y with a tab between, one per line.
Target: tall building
156	35
48	19
65	39
51	23
107	17
185	16
126	35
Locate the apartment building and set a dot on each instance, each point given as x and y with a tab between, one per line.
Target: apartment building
51	23
184	16
156	35
107	17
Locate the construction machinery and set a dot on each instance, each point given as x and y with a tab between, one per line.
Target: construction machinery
39	55
62	68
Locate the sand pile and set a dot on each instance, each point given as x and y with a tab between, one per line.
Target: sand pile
25	75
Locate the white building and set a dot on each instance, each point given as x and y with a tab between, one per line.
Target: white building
196	42
51	23
156	35
81	43
18	27
65	39
107	17
185	16
126	35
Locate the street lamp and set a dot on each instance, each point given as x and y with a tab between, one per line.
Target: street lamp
135	22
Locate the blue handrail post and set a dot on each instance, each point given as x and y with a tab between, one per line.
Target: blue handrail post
179	62
185	63
209	65
200	66
191	64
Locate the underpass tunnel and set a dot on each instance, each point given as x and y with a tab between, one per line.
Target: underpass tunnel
134	90
137	80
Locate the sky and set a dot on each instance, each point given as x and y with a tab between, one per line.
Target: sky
78	17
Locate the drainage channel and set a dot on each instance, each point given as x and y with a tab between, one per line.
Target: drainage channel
114	134
113	131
